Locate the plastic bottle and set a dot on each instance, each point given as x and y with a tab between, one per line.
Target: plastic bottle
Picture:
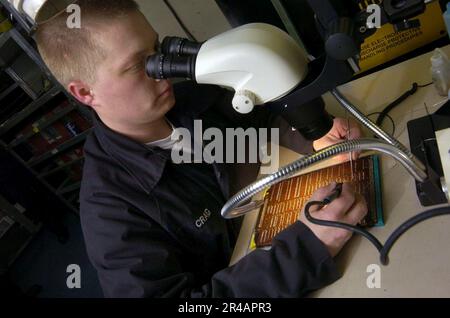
447	18
440	72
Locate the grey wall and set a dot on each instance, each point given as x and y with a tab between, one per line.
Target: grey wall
203	18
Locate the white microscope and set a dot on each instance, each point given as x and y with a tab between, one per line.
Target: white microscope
267	68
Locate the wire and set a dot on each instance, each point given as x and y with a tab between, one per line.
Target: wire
180	22
406	226
398	232
421	86
398	101
341	225
395	103
390	118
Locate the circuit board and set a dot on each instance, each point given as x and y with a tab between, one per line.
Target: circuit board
284	201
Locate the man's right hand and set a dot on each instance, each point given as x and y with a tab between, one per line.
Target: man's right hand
349	207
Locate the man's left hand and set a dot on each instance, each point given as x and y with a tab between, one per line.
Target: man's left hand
340	132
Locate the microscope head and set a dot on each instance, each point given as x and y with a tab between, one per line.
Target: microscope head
260	62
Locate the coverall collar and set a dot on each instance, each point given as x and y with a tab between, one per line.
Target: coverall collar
133	156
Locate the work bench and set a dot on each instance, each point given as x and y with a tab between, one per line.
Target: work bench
420	260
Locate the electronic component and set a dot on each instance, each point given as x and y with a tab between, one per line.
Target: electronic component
283	201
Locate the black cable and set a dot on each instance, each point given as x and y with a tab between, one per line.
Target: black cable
382	249
421	86
399	100
396	102
406	226
390	118
180	22
341	225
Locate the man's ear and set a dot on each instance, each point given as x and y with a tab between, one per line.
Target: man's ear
82	92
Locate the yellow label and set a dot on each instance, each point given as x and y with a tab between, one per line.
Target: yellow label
386	44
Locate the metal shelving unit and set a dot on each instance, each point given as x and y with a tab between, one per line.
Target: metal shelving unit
46	184
34	113
72	142
17	216
40	126
27	111
20	82
64	188
43	166
23	43
18	234
24	23
60	168
20	65
8	91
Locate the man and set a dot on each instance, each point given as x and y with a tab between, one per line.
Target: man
139	210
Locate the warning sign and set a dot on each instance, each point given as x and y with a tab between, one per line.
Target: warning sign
386	44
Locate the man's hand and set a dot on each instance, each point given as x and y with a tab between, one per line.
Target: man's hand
349	208
338	134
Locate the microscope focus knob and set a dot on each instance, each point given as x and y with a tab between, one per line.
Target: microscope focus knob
244	101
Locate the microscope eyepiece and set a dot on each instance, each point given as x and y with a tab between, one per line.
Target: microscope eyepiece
164	66
177	59
179	46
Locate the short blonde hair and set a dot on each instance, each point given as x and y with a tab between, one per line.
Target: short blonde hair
72	54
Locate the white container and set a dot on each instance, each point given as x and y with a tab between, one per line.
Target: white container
40	10
440	72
